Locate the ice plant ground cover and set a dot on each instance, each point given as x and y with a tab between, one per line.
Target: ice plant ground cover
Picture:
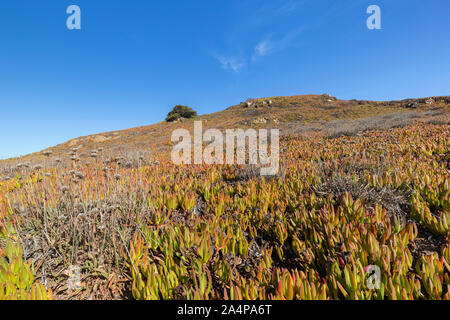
141	229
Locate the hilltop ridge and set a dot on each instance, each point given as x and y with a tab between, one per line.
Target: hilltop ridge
305	115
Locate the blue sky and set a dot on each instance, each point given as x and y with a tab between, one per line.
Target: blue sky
132	61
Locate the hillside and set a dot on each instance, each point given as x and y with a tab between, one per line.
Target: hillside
305	115
361	185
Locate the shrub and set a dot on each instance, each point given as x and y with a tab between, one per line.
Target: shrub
173	117
180	111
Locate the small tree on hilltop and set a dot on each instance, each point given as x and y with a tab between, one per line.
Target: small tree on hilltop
180	111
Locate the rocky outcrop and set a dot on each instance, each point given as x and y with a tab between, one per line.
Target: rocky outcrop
412	105
259	121
256	103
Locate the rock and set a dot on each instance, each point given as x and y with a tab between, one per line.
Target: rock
412	105
430	101
328	97
259	121
248	103
256	104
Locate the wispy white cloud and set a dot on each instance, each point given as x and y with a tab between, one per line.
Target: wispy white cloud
263	47
232	63
270	45
243	52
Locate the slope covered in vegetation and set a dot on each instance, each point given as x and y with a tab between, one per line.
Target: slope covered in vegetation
305	115
153	230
